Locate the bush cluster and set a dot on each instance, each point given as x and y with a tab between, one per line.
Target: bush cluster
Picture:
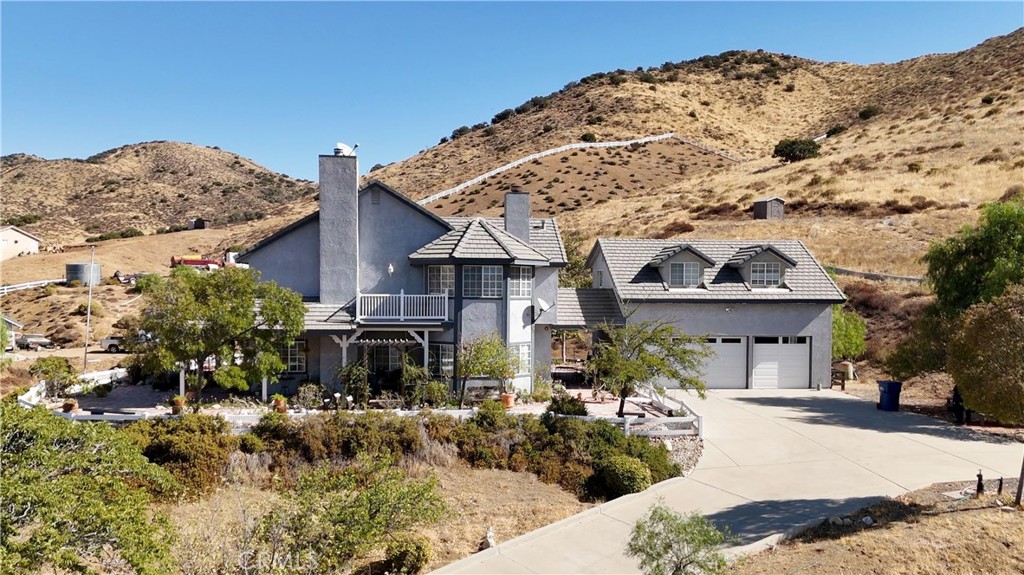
22	220
585	458
407	555
194	448
125	233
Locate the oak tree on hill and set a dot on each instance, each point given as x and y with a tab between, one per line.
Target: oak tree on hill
986	359
226	314
795	150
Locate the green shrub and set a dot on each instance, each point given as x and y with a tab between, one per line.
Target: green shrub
988	99
492	416
124	233
249	443
440	427
789	88
22	220
194	448
432	393
795	150
914	167
102	390
623	475
869	112
588	137
309	396
835	130
57	372
407	555
541	390
565	404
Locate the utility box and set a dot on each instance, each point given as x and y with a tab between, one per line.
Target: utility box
769	209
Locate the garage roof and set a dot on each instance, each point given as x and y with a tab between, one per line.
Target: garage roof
634	279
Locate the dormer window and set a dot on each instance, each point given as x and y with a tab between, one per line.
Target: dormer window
684	274
765	274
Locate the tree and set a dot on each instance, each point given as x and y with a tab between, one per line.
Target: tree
337	515
848	331
76	495
669	543
486	356
979	262
635	353
973	266
575	274
5	338
56	372
986	359
193	316
796	150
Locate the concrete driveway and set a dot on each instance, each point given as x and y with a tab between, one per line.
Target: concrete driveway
773	461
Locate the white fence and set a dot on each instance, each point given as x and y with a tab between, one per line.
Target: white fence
402	307
568	147
4	290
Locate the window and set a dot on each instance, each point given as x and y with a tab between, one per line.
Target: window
440	278
293	355
442	359
482	281
684	274
599	278
523	352
383	358
519	281
765	274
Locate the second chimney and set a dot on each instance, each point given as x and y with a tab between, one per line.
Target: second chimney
517	215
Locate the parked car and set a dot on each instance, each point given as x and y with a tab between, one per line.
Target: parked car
33	341
113	343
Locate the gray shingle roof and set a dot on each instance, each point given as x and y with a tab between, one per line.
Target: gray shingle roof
633	279
544	235
670	251
582	307
327	316
479	240
743	255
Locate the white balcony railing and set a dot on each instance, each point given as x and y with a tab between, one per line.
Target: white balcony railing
402	307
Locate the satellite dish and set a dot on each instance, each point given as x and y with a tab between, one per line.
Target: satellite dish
342	149
543	305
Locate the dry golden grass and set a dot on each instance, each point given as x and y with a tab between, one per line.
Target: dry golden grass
58	315
512	503
920	533
145	186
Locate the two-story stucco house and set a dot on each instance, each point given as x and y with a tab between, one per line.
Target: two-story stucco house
381	275
764	306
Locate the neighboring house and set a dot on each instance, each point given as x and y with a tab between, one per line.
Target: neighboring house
13	330
16	242
382	277
763	306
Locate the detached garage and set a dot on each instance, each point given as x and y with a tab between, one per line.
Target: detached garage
763	308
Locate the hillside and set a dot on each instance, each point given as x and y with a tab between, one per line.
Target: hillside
947	138
147	186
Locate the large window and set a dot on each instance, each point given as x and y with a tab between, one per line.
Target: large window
442	359
482	281
765	274
441	278
383	358
684	274
522	351
520	281
293	355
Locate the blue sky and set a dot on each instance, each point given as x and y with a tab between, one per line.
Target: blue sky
280	83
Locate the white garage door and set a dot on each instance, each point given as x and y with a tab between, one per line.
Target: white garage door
728	368
782	362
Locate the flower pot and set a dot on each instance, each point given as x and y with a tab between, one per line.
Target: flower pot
280	406
508	400
70	405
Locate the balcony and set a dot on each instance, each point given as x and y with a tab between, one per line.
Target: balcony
402	307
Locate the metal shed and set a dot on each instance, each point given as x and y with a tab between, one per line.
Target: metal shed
769	209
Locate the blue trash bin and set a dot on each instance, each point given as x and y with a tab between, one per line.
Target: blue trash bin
889	395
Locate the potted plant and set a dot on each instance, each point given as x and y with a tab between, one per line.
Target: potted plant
280	403
177	404
70	405
508	391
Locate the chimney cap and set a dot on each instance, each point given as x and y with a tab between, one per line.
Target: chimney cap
342	149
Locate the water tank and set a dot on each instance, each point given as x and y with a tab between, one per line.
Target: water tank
81	272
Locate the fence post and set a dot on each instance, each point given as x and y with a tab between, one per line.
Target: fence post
625	425
401	304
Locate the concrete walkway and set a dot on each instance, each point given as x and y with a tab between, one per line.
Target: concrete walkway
773	461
